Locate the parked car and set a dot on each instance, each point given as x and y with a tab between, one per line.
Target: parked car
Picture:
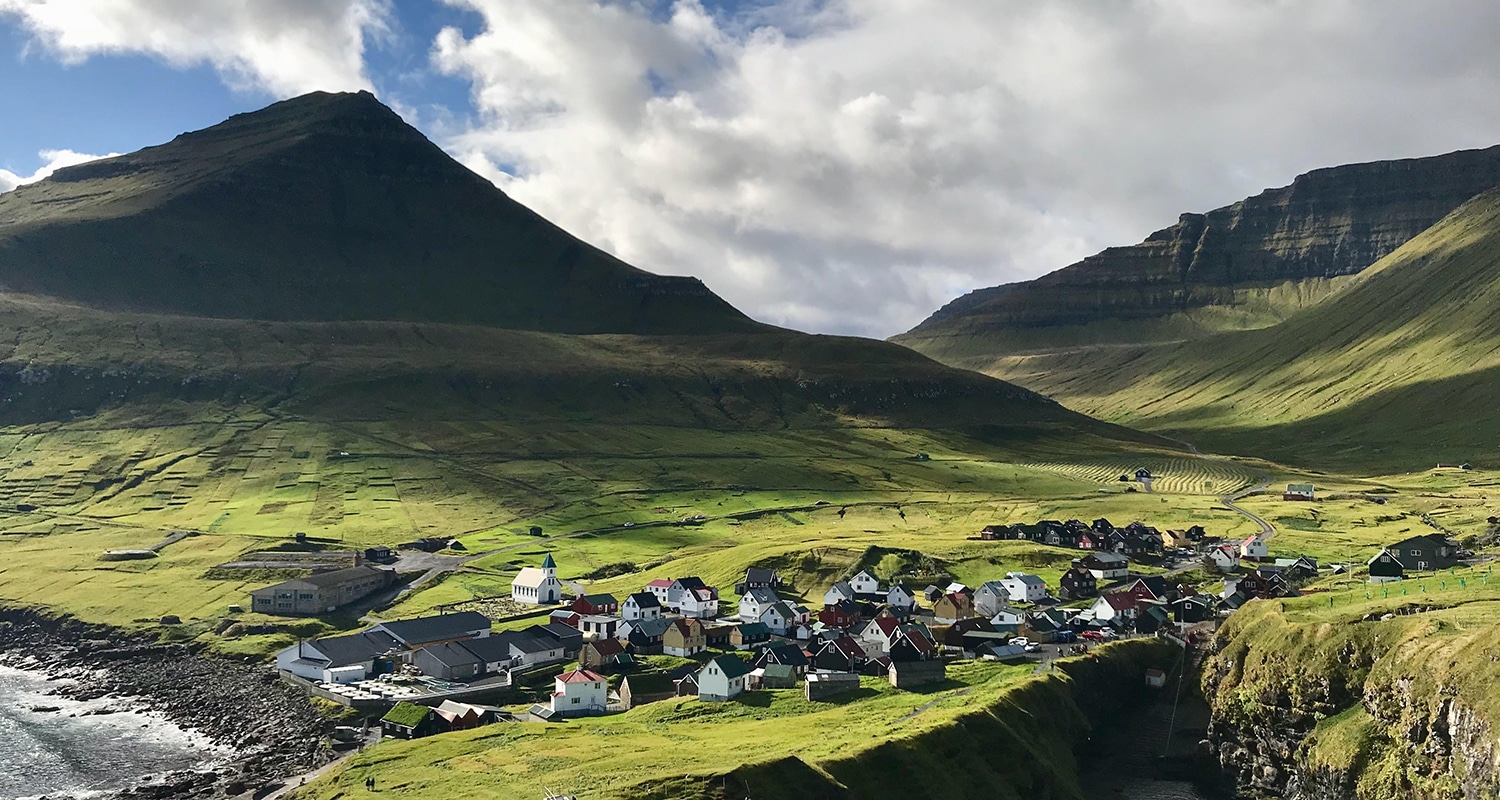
1020	641
1094	635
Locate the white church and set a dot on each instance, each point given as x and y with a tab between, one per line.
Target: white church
537	587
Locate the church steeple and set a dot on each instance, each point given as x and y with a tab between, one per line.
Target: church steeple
549	567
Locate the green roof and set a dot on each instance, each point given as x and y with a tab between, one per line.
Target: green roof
733	666
650	683
778	671
548	563
407	715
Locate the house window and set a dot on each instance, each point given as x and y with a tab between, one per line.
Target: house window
1416	552
575	701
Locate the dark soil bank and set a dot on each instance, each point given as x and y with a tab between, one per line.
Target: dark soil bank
272	728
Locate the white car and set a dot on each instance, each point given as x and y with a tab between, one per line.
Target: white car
1032	647
1020	641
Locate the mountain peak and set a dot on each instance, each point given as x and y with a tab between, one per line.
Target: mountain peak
325	207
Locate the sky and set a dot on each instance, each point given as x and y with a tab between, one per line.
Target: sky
834	166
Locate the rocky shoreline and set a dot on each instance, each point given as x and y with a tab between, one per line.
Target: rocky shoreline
270	727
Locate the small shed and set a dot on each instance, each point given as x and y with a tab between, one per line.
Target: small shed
775	676
1155	678
823	685
911	674
647	687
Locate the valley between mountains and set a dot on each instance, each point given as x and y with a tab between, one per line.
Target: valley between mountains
307	341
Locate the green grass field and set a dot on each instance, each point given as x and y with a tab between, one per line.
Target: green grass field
1389	372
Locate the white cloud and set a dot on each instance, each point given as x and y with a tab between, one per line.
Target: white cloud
284	47
53	160
849	166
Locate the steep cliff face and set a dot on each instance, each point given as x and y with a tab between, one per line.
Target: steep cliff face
1357	710
1328	223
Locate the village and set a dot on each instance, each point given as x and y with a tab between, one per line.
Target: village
590	654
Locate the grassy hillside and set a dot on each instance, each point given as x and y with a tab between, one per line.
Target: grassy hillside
1244	266
1381	693
991	730
325	207
1392	373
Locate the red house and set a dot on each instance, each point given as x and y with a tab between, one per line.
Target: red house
596	604
841	615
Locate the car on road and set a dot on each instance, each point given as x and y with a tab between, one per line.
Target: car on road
1031	647
1020	641
1094	635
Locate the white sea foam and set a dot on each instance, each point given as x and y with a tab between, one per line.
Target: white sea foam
78	752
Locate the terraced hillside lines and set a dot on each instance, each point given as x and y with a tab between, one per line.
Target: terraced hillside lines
1197	476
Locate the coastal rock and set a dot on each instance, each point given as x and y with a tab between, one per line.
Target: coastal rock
271	727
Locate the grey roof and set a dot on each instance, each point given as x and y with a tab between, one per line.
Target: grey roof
424	630
758	575
535	644
762	596
995	587
651	627
490	649
355	648
452	654
1106	557
843	588
341	576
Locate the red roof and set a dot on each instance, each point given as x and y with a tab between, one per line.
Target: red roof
607	647
580	676
1121	601
887	624
662	583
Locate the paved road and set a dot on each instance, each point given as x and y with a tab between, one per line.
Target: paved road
1228	501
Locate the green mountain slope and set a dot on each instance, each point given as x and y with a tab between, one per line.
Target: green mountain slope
1398	370
325	207
1245	266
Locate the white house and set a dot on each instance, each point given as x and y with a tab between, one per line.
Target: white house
1225	558
579	693
722	679
639	606
538	587
755	602
1006	617
865	584
1255	549
837	593
691	597
662	588
337	659
901	598
992	597
781	618
876	635
1116	606
1024	588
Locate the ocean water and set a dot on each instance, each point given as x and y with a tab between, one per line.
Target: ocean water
68	754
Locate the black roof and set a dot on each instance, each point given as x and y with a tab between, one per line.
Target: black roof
644	600
452	654
757	575
423	630
355	648
489	649
559	631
